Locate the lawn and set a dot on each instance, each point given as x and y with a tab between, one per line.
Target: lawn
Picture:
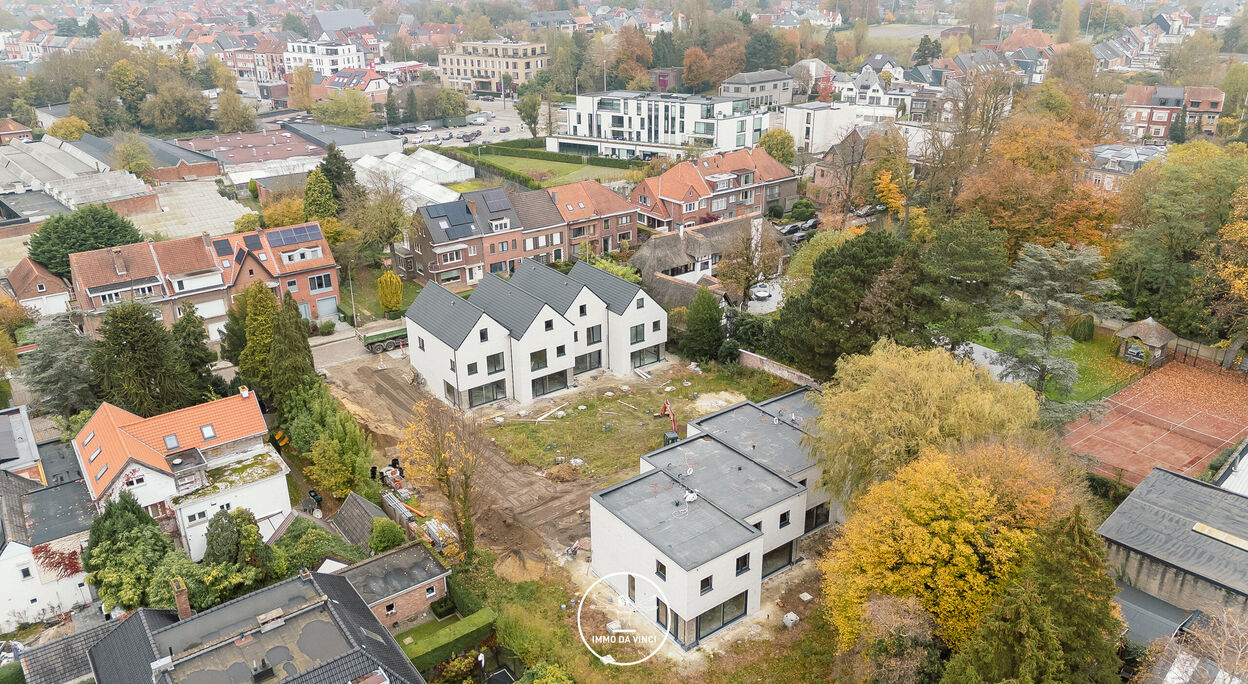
364	281
552	173
421	631
596	433
1098	363
293	491
474	184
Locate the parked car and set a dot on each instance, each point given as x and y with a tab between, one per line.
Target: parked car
810	224
447	135
433	140
417	139
487	98
760	292
798	237
424	128
396	131
408	129
790	228
505	129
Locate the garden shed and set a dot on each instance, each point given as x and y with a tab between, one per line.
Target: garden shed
1145	342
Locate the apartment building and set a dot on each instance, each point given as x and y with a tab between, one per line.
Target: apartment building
711	518
185	465
763	88
479	65
208	272
324	57
816	126
532	336
626	124
724	185
1150	111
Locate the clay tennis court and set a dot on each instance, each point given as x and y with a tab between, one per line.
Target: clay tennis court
1178	417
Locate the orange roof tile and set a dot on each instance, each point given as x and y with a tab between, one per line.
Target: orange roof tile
120	436
272	262
27	276
11	126
587	200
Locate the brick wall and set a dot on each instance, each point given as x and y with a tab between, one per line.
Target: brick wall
411	606
1169	583
19	229
143	204
758	362
187	172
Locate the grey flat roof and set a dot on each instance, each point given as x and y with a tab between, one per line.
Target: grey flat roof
795	407
666	97
753	431
444	314
651	504
1148	618
736	483
1157	520
59	462
324	134
393	572
57	511
33	204
610	288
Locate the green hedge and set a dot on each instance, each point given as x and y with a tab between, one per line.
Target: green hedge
456	638
12	674
491	168
466	600
442	607
545	155
526	143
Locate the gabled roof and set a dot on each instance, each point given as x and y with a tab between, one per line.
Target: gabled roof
753	77
535	209
587	200
354	519
336	20
28	276
139	263
618	293
547	284
268	248
512	307
121	436
126	654
64	660
10	126
444	314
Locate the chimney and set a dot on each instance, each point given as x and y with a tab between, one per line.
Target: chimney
243	391
181	598
554	197
119	262
207	241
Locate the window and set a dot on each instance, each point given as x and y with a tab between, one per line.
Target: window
430	592
707	585
208	432
420	343
484	334
134	481
499	224
721	615
641	302
626	236
816	516
654	326
593	334
587	362
550	325
537	360
494	363
94	454
197	516
660	570
320	283
743	564
171	442
784	519
472	369
448	390
502	247
390	609
550	383
691	206
777	559
578	231
560	351
582	311
89	438
452	365
472	250
637	333
452	257
645	356
110	297
625	220
43	288
26	574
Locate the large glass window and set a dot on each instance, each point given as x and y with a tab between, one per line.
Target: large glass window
723	614
816	516
645	357
593	334
637	333
494	363
550	383
537	360
777	559
486	393
587	362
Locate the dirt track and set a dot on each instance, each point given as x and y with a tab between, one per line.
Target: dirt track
519	509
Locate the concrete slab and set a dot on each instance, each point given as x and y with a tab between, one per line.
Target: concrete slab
191	208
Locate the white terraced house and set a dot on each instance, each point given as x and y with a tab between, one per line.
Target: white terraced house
531	336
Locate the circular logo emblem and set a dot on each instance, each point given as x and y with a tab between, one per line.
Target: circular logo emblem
628	636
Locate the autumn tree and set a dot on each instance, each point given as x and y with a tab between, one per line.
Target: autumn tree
378	210
93	226
886	407
1192	61
318	197
339	457
446	446
1227	278
345	107
131	154
751	256
888	193
286	211
1068	23
69	128
778	143
253	362
301	88
232	115
127	82
1049	284
136	364
389	291
175	107
1218	636
726	59
801	266
632	51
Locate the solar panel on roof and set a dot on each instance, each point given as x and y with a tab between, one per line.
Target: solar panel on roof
222	247
252	242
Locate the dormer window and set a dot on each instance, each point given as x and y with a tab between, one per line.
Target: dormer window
208	432
497	225
171	442
41	287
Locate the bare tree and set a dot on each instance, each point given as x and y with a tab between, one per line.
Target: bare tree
802	78
752	256
446	446
960	134
378	208
1213	649
902	639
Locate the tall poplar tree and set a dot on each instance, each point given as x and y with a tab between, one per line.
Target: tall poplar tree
190	337
253	363
290	358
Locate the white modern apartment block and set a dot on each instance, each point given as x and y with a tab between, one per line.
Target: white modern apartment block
626	123
816	126
185	465
711	517
324	57
531	336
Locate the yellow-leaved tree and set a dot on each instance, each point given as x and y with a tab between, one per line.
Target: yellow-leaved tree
390	291
889	193
950	530
1228	277
445	446
885	407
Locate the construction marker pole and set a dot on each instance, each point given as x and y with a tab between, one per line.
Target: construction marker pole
381	360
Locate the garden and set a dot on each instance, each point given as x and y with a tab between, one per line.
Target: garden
366	298
551	173
1100	367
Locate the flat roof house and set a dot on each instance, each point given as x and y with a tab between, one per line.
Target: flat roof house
711	517
399	585
531	336
764	88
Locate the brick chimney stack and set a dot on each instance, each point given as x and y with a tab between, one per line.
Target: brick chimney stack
181	598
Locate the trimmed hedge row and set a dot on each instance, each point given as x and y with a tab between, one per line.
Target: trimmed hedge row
525	143
466	600
442	607
12	674
544	155
456	638
491	168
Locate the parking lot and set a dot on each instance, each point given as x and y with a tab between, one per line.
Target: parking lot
500	115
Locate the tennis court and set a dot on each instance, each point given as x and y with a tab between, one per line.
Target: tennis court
1178	417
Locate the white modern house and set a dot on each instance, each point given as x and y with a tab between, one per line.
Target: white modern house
531	336
185	465
711	517
763	88
42	532
627	123
816	126
324	57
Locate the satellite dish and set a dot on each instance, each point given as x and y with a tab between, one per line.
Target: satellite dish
177	461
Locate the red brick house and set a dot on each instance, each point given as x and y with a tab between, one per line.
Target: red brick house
718	186
595	215
208	272
372	84
11	130
399	585
1149	111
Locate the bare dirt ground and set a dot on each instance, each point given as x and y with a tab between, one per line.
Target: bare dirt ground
522	514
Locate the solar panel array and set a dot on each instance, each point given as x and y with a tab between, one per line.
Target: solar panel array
252	242
496	200
293	236
222	247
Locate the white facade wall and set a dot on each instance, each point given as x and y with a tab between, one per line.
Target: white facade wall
267	499
49	304
156	487
537	338
325	59
596	313
50	595
817	128
773	534
629	126
619	346
435	360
